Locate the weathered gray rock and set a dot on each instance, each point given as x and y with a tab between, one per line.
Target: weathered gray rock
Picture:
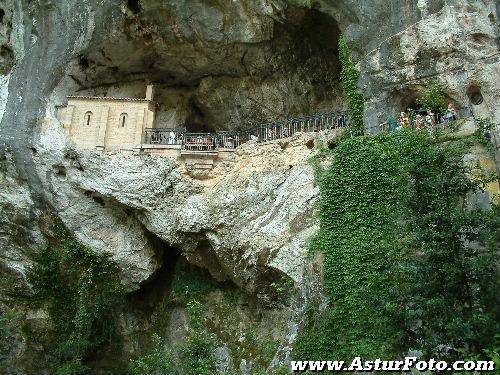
249	222
20	235
223	359
216	65
456	49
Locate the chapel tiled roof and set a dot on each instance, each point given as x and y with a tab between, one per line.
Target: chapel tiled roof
107	98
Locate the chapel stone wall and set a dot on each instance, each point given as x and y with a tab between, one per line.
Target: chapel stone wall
106	128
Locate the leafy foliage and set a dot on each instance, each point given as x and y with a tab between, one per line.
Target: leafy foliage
198	353
349	76
192	283
398	269
484	129
194	357
432	98
157	361
82	294
283	287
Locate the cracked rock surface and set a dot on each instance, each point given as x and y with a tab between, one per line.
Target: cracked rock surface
216	65
248	223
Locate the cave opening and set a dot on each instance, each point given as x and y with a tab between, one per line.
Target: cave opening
2	14
407	100
220	86
474	94
197	121
157	287
134	6
310	39
175	274
83	61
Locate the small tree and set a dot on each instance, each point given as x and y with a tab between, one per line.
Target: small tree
432	98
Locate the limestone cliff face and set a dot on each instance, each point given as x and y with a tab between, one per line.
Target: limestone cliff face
216	65
249	222
19	228
456	48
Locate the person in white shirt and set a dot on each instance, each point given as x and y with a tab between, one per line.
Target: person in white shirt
171	138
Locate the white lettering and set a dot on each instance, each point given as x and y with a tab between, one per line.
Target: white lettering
432	362
368	366
485	366
408	364
421	366
469	365
335	365
299	365
409	361
356	364
458	365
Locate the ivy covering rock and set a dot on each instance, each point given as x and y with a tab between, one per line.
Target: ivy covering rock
408	265
82	293
349	76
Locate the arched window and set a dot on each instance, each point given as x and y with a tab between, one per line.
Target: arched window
87	118
123	120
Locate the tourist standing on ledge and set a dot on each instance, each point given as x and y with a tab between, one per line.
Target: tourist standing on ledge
451	113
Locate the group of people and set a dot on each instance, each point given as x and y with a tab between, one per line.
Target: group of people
422	119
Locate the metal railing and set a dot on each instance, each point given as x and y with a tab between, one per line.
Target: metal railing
198	142
228	139
287	128
164	136
259	133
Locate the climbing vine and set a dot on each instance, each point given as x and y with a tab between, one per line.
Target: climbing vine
483	133
349	76
397	272
82	293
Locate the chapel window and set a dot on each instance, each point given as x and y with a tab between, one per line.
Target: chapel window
123	119
87	118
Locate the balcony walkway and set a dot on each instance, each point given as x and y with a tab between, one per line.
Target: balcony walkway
179	138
